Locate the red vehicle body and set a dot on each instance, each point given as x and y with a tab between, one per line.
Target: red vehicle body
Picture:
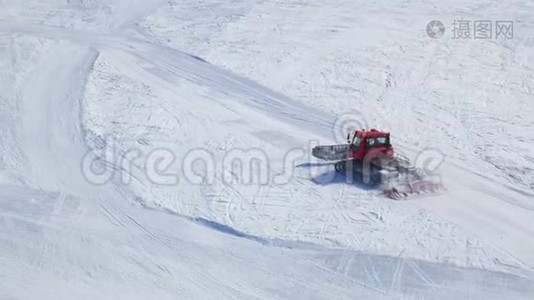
368	156
368	145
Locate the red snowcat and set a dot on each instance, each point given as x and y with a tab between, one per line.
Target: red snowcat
368	157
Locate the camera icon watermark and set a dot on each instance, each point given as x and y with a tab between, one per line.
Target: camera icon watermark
435	29
463	29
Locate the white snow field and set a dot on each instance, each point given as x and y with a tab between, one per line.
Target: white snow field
120	119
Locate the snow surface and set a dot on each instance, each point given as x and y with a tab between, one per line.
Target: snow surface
218	78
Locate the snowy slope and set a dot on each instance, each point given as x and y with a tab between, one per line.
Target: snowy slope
442	94
469	99
376	58
85	77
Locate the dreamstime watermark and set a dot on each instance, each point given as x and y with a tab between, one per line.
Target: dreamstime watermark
197	166
237	166
463	29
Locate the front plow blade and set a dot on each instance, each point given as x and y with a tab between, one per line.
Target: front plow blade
407	190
